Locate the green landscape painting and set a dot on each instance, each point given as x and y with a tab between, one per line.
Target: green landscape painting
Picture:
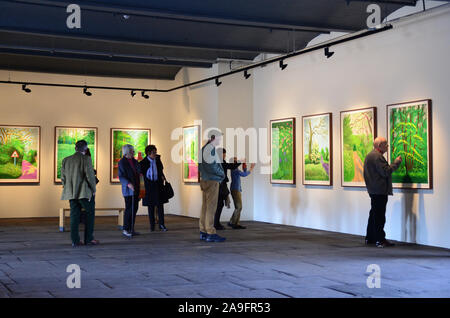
282	136
19	154
409	136
358	130
316	150
191	144
65	140
138	138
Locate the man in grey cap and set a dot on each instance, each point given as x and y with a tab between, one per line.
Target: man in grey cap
378	178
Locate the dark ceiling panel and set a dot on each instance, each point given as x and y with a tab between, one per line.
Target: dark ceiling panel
154	37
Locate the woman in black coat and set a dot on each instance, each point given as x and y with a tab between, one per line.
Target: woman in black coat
152	169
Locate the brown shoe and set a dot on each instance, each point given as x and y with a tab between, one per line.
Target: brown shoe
93	242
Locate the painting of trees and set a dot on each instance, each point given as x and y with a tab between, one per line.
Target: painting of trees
283	150
409	137
65	140
138	138
316	149
191	146
358	130
19	154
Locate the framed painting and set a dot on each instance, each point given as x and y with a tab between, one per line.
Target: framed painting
191	150
358	131
282	154
410	137
139	138
20	154
317	150
65	139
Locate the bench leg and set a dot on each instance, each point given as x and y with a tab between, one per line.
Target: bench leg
120	220
61	219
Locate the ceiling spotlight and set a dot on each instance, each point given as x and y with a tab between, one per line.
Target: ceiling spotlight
327	52
246	74
144	95
24	88
282	65
133	93
85	91
217	82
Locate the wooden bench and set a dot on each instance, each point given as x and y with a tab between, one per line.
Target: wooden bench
62	215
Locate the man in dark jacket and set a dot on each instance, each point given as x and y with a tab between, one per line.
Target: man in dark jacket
129	178
223	188
378	178
151	168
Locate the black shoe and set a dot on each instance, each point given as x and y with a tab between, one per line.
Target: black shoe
384	243
162	228
214	238
229	224
219	227
239	227
136	233
152	228
367	242
203	236
77	244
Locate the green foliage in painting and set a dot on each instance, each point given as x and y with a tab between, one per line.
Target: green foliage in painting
357	130
282	150
409	139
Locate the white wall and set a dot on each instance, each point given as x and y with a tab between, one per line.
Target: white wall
407	63
49	107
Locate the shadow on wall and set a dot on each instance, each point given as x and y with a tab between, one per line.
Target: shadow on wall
413	210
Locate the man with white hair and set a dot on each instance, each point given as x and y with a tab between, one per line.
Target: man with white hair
378	178
129	178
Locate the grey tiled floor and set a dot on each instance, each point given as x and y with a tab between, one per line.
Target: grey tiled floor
265	260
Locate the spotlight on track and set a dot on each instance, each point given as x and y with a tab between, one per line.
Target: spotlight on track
327	52
282	65
24	88
85	91
217	82
246	74
133	93
144	95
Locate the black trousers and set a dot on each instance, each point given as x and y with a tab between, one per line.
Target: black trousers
130	212
220	205
155	201
377	218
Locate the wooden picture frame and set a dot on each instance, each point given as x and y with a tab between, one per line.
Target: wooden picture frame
356	141
287	148
320	170
128	138
66	147
189	170
406	127
18	145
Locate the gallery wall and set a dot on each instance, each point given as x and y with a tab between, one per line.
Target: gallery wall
49	107
407	63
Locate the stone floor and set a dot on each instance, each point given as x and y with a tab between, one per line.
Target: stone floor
266	260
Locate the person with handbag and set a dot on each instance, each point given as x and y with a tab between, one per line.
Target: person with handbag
129	179
223	188
151	168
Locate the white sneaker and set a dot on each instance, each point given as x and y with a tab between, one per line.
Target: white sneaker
126	233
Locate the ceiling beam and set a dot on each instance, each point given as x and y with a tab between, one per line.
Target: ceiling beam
182	16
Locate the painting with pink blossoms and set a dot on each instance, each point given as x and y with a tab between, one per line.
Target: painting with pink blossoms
191	149
19	154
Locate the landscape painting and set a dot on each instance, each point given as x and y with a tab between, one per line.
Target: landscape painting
317	154
410	137
282	140
358	131
191	149
65	140
137	137
19	154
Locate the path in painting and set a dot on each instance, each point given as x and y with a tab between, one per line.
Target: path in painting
359	169
28	171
